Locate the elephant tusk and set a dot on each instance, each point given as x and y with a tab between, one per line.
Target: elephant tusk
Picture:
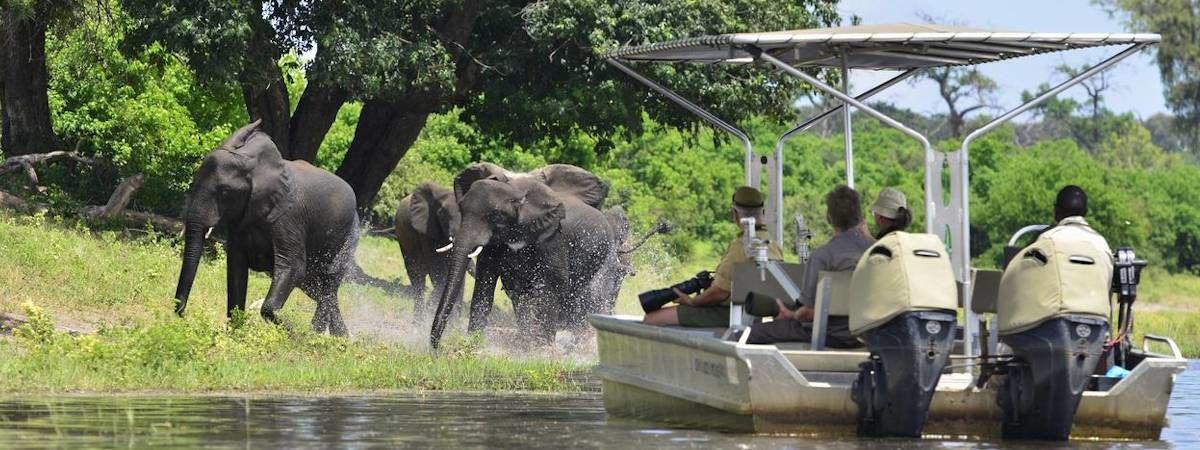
446	248
208	233
477	251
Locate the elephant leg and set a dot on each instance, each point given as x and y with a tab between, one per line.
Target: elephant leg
282	283
329	315
417	272
237	271
486	274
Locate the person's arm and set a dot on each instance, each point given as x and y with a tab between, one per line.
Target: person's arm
714	295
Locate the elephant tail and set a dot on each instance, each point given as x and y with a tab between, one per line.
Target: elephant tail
662	227
389	232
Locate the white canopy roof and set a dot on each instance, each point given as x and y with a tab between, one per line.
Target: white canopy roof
897	46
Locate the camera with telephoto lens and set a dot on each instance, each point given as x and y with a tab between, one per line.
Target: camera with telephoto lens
654	300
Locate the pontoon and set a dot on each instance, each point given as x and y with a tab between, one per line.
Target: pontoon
972	377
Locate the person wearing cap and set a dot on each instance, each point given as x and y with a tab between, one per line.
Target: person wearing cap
891	212
710	308
843	211
1070	208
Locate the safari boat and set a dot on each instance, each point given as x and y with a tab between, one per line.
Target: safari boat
950	350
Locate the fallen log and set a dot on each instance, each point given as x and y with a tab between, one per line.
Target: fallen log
114	210
25	163
9	201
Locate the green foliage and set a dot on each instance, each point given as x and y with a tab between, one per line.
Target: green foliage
1177	54
144	113
549	79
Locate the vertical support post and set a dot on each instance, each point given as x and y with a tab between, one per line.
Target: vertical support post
775	197
971	334
847	128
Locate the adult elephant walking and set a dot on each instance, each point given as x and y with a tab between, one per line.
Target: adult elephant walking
541	233
425	222
286	218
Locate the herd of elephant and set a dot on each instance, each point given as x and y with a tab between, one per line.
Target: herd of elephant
541	234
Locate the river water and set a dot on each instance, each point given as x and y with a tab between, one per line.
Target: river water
423	420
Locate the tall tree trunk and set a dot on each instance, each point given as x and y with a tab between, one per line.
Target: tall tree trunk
385	132
314	115
266	98
263	88
26	105
386	129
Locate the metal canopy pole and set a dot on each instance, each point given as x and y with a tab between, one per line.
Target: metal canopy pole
964	179
748	161
801	127
861	106
847	129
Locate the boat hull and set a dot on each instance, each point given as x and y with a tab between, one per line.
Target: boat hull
691	377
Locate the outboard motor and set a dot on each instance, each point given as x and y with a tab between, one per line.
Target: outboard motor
1052	311
902	303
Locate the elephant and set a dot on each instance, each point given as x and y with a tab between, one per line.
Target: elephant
425	221
541	234
287	218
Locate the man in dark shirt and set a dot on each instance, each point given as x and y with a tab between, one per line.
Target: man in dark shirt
843	210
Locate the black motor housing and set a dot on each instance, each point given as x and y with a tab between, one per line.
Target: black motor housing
895	387
1045	382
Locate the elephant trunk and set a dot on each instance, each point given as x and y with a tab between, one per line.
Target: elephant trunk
454	283
194	235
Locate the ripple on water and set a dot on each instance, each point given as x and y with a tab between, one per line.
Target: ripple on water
440	419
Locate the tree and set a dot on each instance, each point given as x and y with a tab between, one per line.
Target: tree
1089	123
964	90
26	124
1177	54
523	71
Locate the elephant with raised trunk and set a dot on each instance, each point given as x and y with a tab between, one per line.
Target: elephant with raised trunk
542	235
425	222
287	218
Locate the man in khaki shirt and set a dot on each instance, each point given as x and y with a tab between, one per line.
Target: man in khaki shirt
711	307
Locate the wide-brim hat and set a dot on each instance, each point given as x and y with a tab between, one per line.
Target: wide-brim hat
889	202
748	197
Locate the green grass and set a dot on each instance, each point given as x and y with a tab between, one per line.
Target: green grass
121	287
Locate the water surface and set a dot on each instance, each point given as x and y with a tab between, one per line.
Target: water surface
416	420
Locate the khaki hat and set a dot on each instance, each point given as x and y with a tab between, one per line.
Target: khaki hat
748	197
889	203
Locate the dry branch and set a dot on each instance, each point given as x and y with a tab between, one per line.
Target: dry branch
25	163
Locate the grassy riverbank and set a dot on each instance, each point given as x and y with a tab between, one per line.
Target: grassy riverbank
115	291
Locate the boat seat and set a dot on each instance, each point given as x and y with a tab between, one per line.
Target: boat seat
985	289
833	299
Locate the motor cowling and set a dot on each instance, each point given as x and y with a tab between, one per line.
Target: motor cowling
1052	312
902	302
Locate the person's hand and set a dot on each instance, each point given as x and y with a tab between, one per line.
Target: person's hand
683	297
804	314
784	312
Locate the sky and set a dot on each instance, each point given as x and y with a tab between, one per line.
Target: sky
1137	86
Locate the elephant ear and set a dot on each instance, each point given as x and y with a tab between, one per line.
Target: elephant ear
270	179
574	181
239	137
448	214
541	213
419	209
476	172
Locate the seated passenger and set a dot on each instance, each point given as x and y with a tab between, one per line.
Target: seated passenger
1070	207
843	210
891	212
711	307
